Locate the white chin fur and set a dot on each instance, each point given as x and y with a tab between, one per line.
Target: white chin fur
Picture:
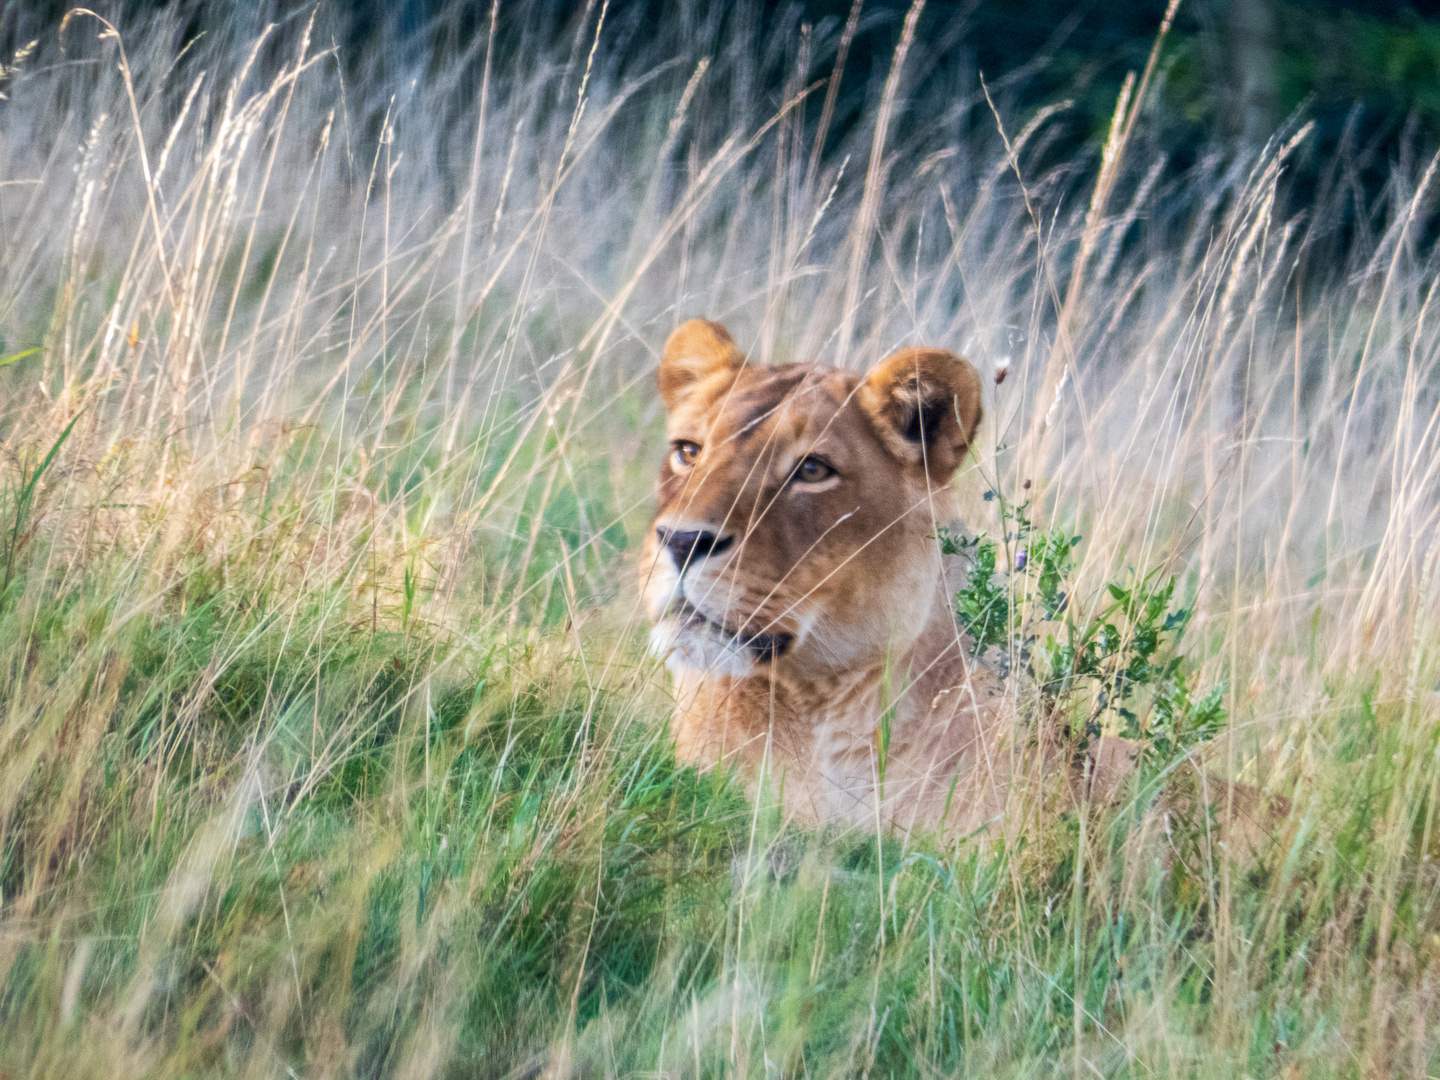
691	648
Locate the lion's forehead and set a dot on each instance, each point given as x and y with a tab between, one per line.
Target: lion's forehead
756	427
790	400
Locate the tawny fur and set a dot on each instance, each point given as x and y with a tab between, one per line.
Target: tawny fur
848	567
812	633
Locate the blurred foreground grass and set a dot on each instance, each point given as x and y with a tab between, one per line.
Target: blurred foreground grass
328	745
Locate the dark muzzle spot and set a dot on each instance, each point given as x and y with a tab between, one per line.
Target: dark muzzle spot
767	647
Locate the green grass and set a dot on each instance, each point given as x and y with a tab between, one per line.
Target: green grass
328	741
360	849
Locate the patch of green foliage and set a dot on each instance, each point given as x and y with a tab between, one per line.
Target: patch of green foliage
1115	663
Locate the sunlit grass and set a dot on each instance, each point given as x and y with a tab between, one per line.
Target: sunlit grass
328	744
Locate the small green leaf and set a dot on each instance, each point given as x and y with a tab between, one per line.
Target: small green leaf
21	355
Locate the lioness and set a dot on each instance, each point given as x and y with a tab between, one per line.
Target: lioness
802	602
798	592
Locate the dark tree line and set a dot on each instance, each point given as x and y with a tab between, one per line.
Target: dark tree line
1366	73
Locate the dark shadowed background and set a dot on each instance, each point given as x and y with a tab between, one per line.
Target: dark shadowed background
1367	73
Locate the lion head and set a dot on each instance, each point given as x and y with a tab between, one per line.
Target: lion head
798	504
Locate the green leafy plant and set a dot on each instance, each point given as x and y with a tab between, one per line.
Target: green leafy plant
1115	666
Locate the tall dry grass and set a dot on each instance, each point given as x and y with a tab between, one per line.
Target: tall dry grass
327	741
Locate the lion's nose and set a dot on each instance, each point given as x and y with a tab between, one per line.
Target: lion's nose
687	546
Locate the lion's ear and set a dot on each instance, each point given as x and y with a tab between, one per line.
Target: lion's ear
697	351
925	405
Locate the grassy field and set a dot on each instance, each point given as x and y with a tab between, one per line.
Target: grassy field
328	742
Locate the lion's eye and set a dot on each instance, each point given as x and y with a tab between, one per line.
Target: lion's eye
683	453
812	470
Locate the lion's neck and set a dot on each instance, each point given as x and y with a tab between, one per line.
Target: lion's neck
912	712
